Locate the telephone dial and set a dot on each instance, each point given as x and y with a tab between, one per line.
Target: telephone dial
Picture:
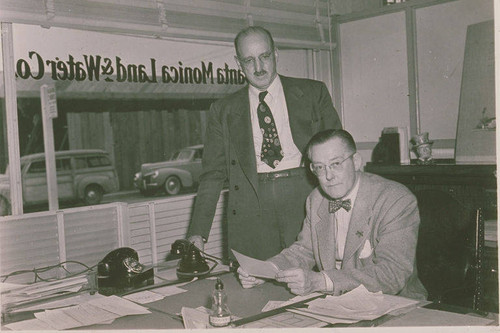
120	271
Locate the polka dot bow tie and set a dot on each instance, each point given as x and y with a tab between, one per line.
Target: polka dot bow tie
335	205
271	152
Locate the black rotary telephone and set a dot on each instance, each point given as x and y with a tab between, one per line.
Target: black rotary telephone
120	271
192	264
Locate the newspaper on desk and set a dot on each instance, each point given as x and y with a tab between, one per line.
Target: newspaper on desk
358	304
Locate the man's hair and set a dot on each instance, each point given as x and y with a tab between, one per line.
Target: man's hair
326	135
253	30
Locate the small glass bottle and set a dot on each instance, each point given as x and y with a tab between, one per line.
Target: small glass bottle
220	315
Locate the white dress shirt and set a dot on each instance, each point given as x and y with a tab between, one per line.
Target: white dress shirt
275	99
341	220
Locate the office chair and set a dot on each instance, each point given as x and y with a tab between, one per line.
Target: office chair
449	249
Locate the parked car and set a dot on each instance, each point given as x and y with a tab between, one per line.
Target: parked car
181	171
81	175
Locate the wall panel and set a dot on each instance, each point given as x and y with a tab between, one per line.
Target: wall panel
374	75
441	32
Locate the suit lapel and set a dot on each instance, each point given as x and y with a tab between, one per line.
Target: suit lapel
325	233
298	115
240	129
359	225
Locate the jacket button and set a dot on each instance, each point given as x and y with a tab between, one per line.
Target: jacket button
233	162
236	187
234	212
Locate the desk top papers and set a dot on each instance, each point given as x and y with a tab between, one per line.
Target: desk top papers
428	317
101	310
358	304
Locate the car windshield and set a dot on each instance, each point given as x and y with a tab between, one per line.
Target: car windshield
181	155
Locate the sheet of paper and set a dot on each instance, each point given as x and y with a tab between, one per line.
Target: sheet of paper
285	320
30	325
57	319
255	267
74	300
428	317
70	284
271	305
326	319
194	318
359	304
7	287
144	297
169	290
75	316
119	305
88	314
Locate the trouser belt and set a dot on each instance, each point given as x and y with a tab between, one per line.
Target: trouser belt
301	171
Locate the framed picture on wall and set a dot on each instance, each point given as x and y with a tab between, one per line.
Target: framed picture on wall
476	128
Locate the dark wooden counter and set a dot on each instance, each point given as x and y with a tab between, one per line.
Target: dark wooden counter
449	197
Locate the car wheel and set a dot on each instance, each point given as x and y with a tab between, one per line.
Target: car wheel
173	185
92	195
4	207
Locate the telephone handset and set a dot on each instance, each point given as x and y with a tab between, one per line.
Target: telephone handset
192	264
120	271
120	261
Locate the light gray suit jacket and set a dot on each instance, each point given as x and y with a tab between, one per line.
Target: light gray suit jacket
381	241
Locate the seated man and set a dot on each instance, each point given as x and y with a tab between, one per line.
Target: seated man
360	229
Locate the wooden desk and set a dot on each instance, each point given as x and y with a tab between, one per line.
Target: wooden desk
244	303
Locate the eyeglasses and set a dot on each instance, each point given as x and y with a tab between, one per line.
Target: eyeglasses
264	57
319	169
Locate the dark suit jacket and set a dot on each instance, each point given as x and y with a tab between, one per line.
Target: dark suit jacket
229	153
381	240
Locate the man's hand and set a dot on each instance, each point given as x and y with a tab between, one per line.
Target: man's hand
248	281
197	241
302	282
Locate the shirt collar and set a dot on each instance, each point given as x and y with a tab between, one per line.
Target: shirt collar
272	90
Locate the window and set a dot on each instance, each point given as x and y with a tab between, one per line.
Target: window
80	162
183	155
63	164
37	167
198	154
97	161
139	104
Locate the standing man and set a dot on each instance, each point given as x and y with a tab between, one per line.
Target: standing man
255	139
360	228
